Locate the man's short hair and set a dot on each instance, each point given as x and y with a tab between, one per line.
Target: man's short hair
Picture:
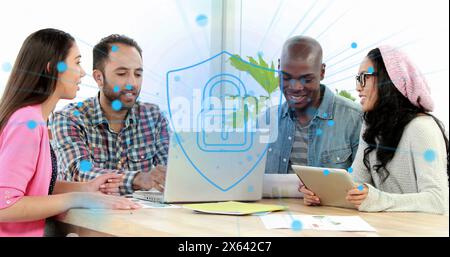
105	46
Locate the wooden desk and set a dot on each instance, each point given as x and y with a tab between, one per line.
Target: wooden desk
183	222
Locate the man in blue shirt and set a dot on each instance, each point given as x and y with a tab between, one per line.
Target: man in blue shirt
315	127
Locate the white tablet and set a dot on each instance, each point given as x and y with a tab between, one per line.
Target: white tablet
330	185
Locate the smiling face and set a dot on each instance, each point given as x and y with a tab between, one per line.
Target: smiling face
70	76
302	70
368	93
301	81
121	78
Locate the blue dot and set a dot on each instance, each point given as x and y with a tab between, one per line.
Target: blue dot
31	124
429	155
116	105
80	104
114	48
297	225
350	170
326	172
177	78
85	166
61	67
202	20
116	89
250	189
319	132
370	70
331	123
76	113
6	67
354	45
249	158
129	87
361	187
324	115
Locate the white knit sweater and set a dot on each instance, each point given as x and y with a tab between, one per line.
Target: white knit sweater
417	181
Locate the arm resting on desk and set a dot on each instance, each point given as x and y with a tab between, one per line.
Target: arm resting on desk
30	208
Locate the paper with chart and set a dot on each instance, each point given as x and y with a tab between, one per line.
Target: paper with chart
318	222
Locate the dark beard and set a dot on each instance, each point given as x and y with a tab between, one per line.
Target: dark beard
110	96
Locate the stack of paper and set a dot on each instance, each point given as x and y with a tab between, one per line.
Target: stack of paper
234	208
153	205
281	186
318	222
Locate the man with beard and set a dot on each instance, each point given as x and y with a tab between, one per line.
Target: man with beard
316	127
113	132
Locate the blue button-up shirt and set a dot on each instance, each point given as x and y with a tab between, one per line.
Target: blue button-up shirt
333	135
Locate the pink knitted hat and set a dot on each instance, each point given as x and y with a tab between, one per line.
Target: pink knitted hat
406	77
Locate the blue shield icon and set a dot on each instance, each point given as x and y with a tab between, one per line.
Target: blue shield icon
224	113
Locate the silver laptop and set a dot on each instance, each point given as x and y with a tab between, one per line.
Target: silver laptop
196	175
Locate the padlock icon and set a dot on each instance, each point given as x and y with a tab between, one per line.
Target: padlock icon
218	119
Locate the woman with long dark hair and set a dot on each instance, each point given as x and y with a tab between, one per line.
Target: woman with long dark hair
402	158
46	70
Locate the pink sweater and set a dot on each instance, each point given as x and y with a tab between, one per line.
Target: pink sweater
25	166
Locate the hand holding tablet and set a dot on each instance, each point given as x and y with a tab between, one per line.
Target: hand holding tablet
330	187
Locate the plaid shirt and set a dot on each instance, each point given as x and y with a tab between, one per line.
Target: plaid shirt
83	138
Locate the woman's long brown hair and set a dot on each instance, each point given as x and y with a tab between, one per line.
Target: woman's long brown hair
34	74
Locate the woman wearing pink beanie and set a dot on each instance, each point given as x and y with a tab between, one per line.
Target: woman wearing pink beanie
402	159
